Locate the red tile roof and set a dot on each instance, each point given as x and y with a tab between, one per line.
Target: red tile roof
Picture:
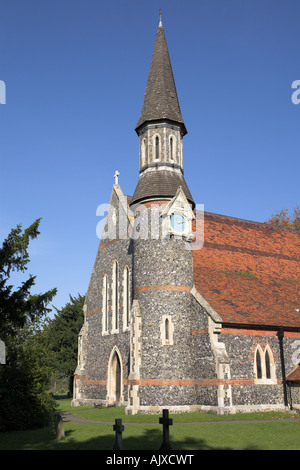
249	272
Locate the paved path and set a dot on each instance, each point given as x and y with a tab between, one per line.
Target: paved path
67	416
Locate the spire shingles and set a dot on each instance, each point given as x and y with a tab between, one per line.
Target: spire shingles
161	101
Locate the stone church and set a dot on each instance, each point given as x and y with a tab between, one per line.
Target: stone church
186	310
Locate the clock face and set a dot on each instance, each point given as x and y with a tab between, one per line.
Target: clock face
177	222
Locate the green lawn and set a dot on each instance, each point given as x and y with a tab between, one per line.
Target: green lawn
219	433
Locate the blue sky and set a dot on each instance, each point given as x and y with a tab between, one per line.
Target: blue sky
75	74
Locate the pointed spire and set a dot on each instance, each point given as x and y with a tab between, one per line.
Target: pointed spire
161	159
161	101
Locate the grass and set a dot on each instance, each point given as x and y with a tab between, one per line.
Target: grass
220	434
109	415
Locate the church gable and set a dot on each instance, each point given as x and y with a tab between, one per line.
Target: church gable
178	216
113	266
118	223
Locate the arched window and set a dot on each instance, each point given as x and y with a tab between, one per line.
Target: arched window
180	153
167	333
105	305
270	369
167	330
258	364
172	148
264	365
156	148
143	152
267	360
126	297
115	295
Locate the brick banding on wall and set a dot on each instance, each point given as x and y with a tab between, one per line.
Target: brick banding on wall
172	382
244	331
204	331
162	287
94	312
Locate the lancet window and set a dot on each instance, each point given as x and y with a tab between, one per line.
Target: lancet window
105	304
115	277
126	297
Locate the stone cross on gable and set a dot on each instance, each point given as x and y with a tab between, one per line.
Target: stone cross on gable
116	176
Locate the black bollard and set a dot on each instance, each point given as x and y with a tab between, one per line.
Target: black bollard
166	422
118	428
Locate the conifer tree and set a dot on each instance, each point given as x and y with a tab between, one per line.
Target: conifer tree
62	339
24	377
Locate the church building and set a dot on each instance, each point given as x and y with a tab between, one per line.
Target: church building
186	310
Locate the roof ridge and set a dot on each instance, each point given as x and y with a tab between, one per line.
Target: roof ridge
280	227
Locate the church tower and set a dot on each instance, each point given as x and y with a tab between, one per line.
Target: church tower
161	353
160	130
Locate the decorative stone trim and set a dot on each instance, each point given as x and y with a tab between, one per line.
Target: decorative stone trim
222	366
201	300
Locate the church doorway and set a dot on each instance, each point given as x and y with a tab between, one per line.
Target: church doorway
115	386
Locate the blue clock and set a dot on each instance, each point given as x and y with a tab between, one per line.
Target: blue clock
177	222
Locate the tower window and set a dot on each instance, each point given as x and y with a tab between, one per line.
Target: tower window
156	148
143	152
172	148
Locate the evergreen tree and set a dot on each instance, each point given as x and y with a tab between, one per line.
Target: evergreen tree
62	338
24	377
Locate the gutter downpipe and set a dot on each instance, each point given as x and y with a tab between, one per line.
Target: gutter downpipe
280	335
